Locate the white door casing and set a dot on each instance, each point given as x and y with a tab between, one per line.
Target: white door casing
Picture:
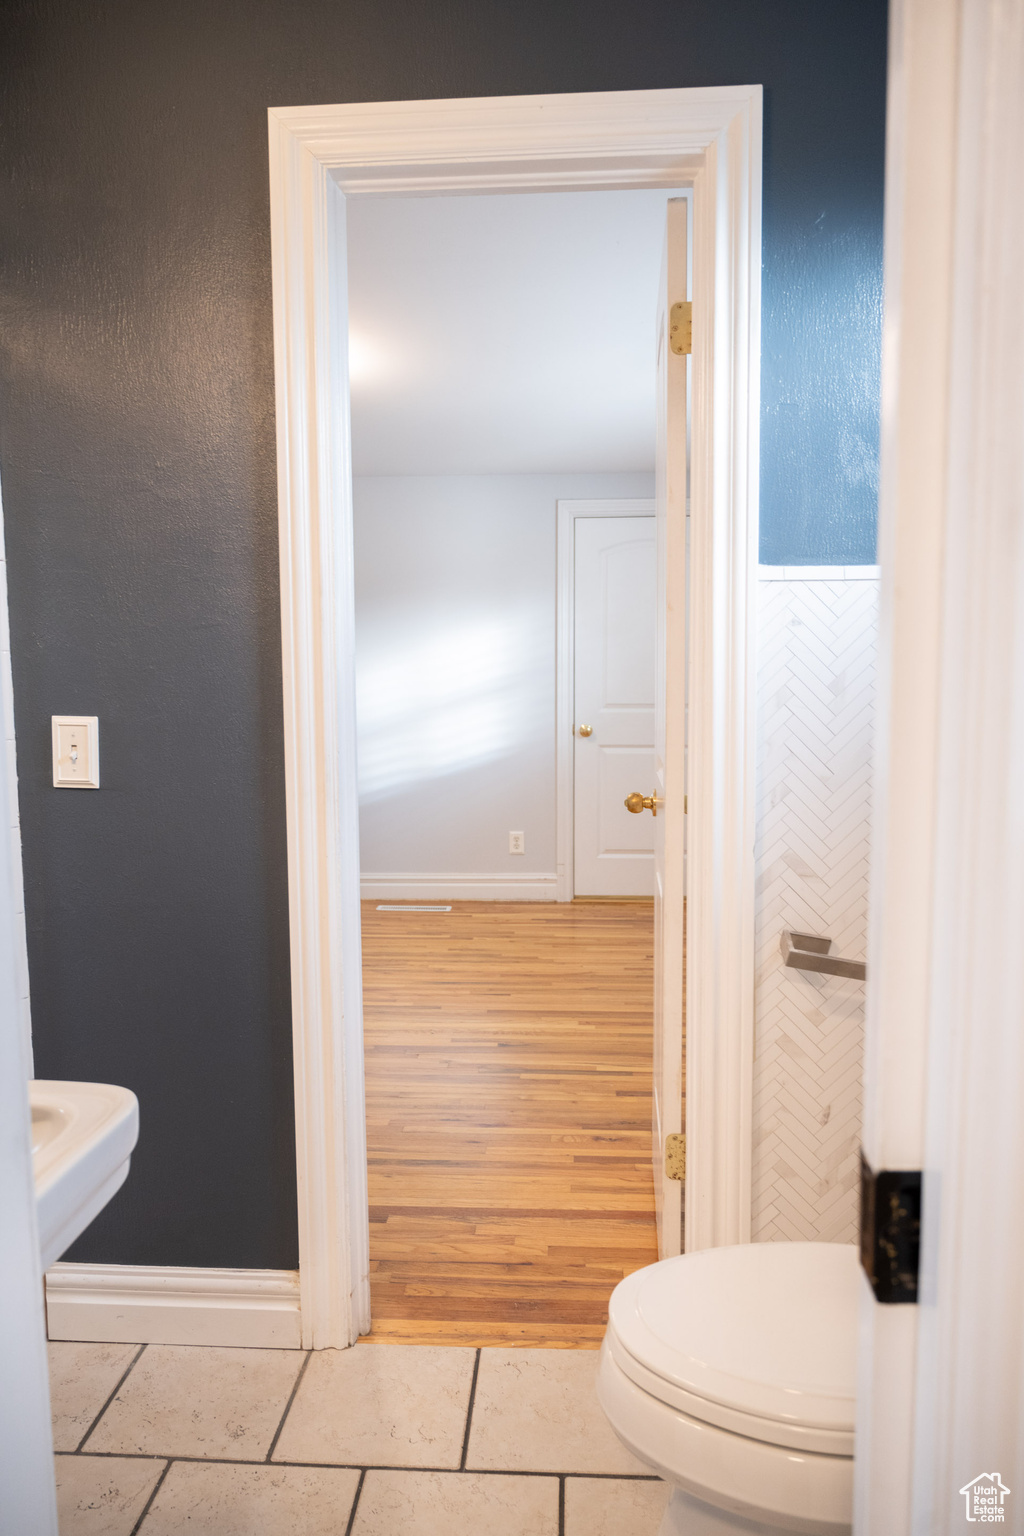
28	1503
613	701
709	139
670	736
941	1390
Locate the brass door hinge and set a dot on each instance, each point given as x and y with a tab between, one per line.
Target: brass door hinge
680	329
675	1157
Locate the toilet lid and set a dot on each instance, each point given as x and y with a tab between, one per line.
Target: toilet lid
762	1329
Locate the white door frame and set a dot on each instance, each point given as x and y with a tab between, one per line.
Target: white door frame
941	1394
27	1493
709	139
28	1496
565	630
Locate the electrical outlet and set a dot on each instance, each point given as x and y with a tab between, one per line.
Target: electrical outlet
517	842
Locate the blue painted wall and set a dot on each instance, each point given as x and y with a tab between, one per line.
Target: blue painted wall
137	458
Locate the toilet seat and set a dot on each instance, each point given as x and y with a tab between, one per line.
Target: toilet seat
767	1486
756	1339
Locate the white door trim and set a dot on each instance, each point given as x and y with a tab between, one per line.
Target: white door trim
565	621
709	139
919	221
27	1492
941	1392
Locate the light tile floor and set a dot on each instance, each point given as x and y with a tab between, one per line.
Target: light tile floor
381	1440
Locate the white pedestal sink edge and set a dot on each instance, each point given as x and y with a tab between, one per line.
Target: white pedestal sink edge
58	1240
83	1135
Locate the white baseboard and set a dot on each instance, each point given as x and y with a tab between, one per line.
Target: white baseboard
525	887
143	1304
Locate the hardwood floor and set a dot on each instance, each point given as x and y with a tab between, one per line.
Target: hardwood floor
508	1094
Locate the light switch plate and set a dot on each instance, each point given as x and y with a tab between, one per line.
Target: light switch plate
76	752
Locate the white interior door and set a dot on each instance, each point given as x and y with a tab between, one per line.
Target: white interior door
670	736
613	702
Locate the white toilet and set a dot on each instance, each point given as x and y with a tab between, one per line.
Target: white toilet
732	1373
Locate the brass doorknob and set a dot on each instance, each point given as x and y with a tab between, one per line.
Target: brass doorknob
637	803
586	730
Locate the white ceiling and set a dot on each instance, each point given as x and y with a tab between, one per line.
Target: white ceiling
504	334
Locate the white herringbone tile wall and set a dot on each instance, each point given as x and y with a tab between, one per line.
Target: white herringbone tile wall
816	672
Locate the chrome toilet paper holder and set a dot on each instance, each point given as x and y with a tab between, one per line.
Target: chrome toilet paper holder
807	952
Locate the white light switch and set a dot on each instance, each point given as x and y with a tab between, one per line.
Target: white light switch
76	752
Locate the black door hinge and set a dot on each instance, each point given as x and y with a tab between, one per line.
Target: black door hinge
890	1230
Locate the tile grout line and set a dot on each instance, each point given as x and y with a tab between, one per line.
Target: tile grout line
131	1366
355	1466
609	1477
561	1505
469	1412
355	1503
149	1502
288	1404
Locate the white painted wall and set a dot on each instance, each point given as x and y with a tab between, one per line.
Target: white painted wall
455	641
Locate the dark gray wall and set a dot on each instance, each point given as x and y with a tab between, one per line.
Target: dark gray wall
137	462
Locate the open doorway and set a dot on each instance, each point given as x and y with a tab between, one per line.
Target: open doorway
503	354
324	160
